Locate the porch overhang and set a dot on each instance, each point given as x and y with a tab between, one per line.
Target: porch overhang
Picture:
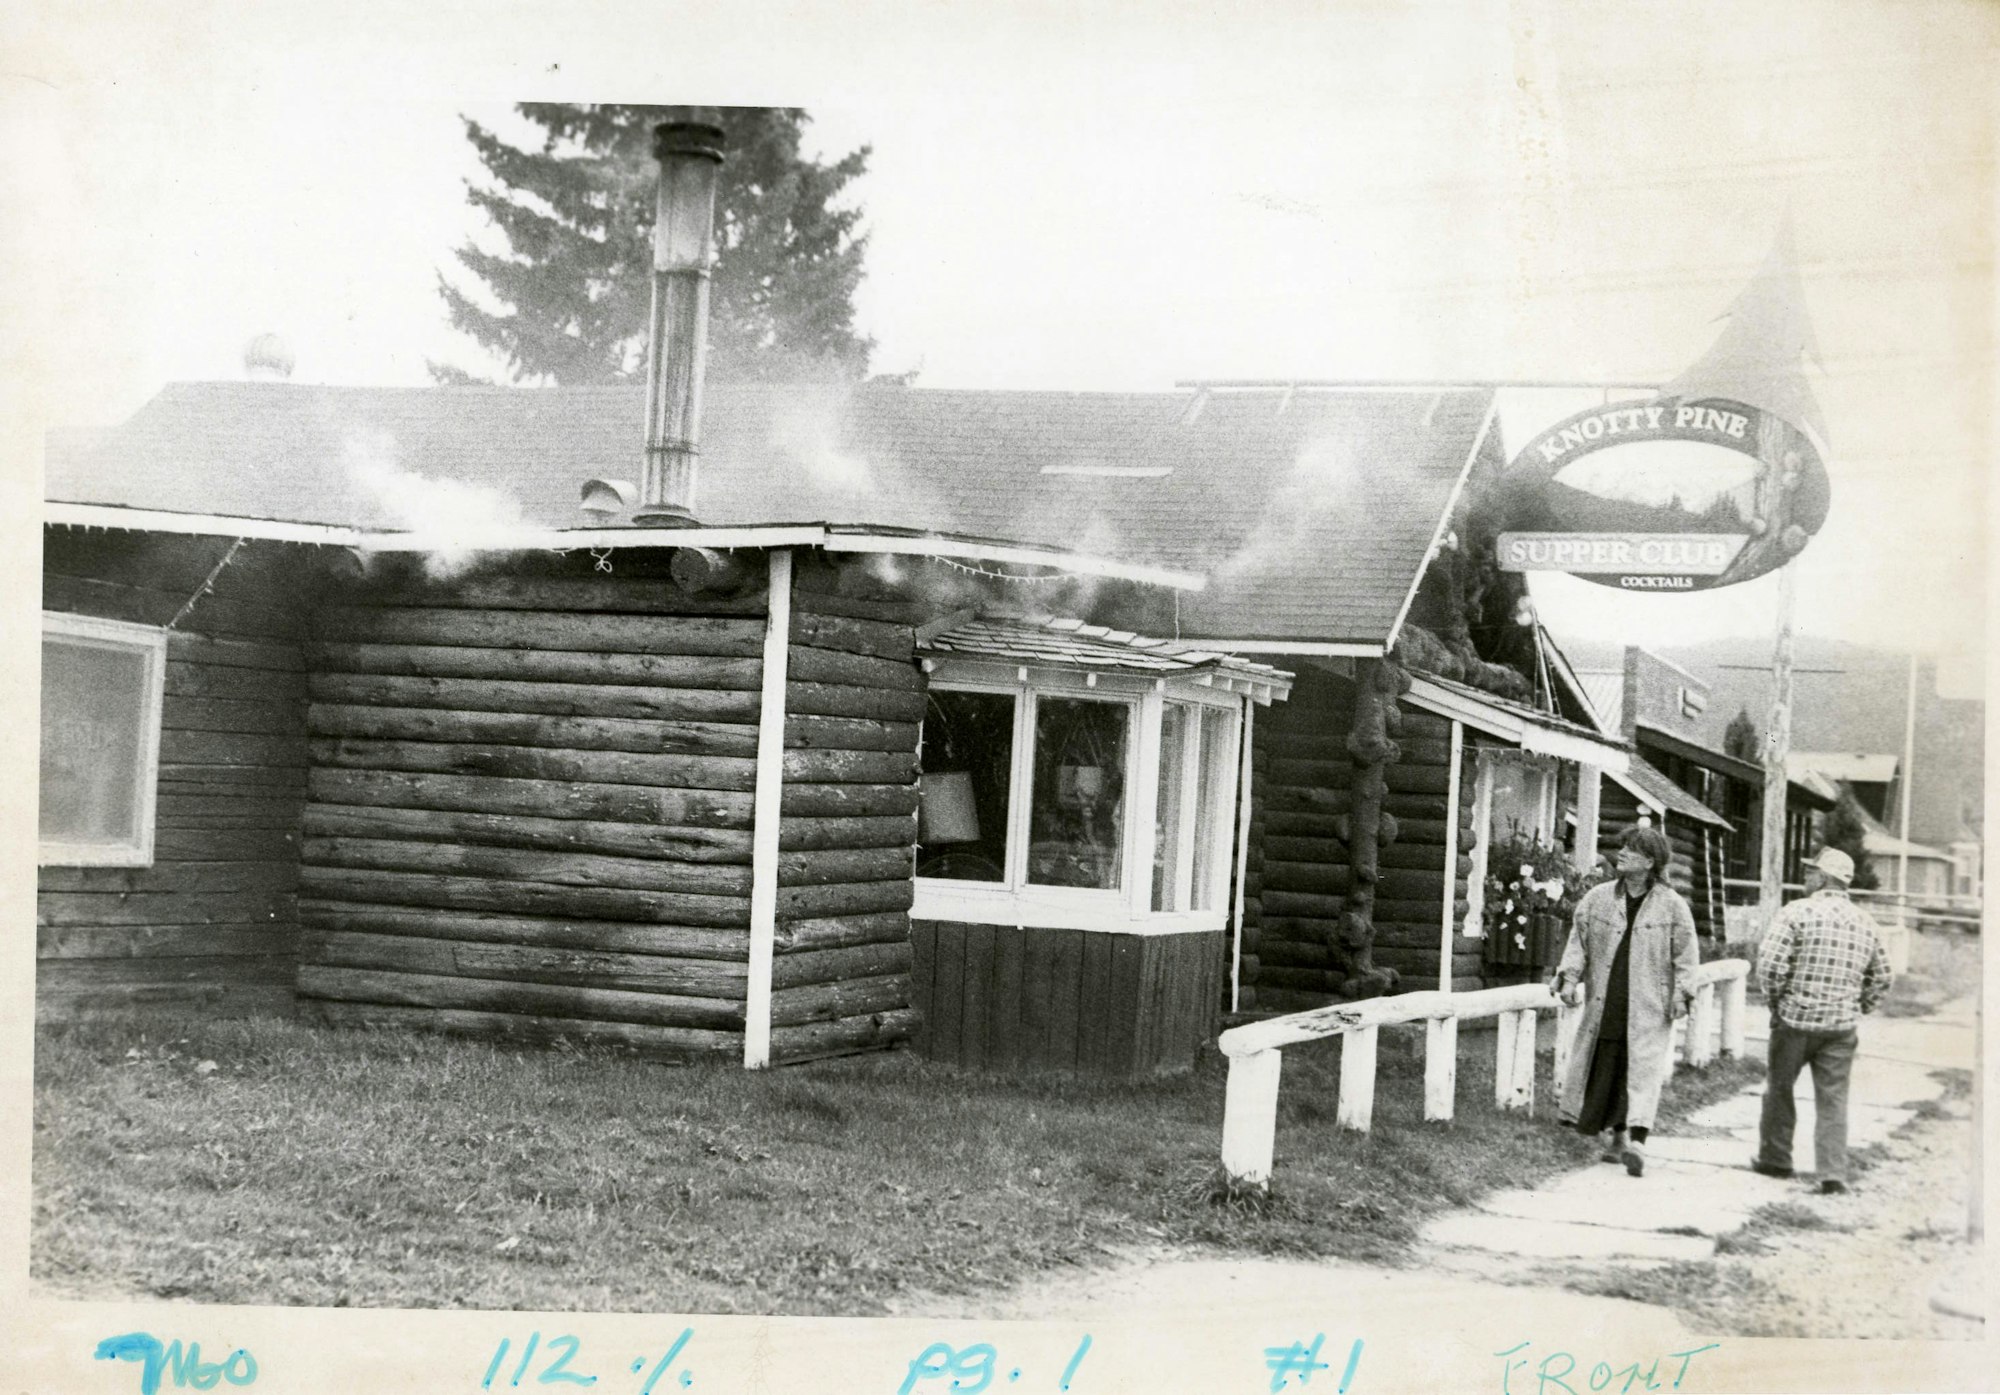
1540	733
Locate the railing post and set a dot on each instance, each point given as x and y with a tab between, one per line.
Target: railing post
1250	1117
1701	1026
1569	1021
1735	1001
1514	1061
1525	1024
1357	1079
1440	1067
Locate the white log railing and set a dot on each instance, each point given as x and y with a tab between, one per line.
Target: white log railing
1256	1053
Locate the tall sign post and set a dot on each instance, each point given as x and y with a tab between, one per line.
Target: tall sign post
1777	746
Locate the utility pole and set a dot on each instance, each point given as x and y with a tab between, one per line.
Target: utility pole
1777	746
1909	787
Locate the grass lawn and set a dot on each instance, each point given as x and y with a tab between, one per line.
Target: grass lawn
267	1161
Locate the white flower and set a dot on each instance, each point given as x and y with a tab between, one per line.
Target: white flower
1528	870
1553	888
1520	942
1510	904
1522	918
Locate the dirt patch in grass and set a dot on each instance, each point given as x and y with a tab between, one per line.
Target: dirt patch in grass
268	1161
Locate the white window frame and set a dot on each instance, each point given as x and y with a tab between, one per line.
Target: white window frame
1017	901
151	641
1485	760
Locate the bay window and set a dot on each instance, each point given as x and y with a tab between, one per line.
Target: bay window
1074	800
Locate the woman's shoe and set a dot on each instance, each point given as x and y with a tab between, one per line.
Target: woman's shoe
1616	1152
1633	1155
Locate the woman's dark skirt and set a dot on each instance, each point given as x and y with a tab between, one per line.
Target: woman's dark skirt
1604	1089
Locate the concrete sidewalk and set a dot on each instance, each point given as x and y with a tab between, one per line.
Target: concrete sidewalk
1471	1265
1698	1186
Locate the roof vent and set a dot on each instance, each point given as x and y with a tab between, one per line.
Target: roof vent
604	500
267	358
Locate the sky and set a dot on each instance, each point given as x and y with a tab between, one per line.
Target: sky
1101	197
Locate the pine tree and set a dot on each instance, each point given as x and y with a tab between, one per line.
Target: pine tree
577	214
1846	828
1741	739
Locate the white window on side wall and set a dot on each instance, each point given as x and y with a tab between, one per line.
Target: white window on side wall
102	682
1076	801
1514	794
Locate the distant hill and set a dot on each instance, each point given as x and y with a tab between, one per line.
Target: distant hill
1859	708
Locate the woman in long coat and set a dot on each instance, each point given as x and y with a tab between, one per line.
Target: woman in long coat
1631	957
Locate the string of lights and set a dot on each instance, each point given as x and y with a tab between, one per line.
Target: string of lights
207	585
971	570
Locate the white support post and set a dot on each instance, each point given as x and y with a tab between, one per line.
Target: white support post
1503	1061
1569	1021
1440	1067
1735	1001
1676	1046
1521	1095
1250	1117
1514	1061
1242	857
1589	800
1701	1026
1357	1079
1446	929
764	816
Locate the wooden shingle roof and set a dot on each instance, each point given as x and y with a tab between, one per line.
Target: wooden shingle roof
1310	512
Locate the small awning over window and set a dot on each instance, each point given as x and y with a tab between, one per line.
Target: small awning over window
1529	728
1663	796
1048	641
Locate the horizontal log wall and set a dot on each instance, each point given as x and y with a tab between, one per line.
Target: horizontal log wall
1298	876
1688	873
214	920
530	807
847	827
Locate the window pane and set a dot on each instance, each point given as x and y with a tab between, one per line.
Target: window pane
1076	824
1176	730
968	762
1212	809
1518	802
93	741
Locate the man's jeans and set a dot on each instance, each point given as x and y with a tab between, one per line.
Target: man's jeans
1831	1056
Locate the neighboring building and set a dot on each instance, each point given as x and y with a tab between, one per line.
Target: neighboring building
1664	710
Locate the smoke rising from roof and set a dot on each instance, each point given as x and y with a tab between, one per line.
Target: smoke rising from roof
458	520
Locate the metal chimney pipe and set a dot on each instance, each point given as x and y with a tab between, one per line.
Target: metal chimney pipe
690	156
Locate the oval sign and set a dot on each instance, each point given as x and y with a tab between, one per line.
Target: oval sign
1667	495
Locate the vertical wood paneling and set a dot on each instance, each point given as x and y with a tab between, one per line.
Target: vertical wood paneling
1066	1002
923	975
1003	1015
1122	1006
1126	1003
1037	992
976	996
948	993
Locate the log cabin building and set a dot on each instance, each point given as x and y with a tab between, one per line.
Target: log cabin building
1035	729
504	776
1711	803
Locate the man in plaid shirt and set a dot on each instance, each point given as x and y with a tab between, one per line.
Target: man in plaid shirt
1821	967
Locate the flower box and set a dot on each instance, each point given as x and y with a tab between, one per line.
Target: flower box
1536	945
